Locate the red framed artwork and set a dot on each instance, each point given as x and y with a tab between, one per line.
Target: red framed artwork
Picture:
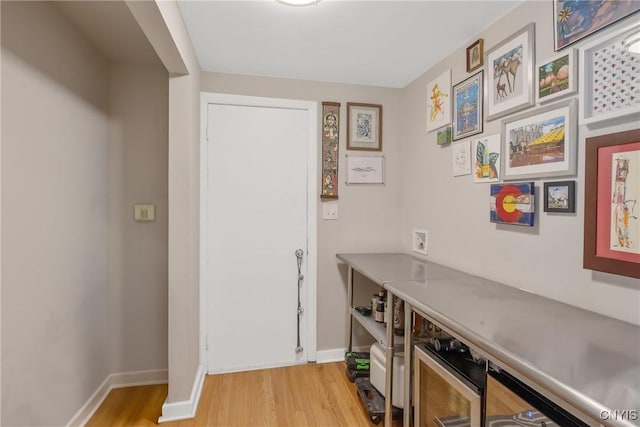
612	204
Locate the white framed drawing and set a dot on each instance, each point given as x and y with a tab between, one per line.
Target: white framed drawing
461	157
609	85
420	241
439	101
363	169
509	74
486	152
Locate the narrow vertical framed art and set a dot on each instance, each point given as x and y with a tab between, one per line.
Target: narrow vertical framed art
330	146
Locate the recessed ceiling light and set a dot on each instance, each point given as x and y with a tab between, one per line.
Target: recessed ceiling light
632	43
299	2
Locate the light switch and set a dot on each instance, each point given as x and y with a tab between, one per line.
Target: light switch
330	211
145	212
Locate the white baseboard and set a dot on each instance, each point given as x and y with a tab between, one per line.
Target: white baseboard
336	354
125	379
187	408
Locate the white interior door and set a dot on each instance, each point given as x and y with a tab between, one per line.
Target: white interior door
257	219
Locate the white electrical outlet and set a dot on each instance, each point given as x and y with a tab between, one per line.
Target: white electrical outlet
144	212
330	211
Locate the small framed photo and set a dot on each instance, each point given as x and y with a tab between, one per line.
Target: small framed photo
364	127
420	240
509	68
444	136
475	55
609	76
468	107
557	77
365	169
560	196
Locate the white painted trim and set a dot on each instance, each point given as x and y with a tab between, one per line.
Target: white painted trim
311	278
337	354
187	408
330	356
257	368
120	380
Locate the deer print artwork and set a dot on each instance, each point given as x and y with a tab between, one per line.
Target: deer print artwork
507	76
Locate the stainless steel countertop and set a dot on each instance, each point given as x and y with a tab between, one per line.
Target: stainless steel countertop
589	360
383	267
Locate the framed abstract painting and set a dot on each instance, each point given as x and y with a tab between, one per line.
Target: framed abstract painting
364	127
610	76
439	101
576	19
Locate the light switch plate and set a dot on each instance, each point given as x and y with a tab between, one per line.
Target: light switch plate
330	211
145	212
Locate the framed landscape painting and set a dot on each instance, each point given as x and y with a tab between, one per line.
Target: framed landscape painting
557	77
576	19
540	143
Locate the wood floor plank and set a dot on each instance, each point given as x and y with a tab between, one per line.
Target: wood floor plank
313	395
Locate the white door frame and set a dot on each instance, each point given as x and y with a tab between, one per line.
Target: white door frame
310	280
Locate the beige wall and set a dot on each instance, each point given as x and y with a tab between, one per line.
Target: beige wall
138	250
367	215
547	258
55	275
84	286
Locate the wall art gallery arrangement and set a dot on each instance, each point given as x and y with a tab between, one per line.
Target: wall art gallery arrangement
540	104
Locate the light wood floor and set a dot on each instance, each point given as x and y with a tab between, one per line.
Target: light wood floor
305	395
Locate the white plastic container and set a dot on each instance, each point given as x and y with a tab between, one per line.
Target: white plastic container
377	371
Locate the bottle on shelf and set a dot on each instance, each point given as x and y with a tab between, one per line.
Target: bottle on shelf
380	311
398	317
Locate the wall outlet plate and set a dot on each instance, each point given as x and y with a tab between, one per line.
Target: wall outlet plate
144	213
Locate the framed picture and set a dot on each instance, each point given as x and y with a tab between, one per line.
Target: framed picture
439	102
513	203
609	81
461	157
362	169
540	143
611	203
557	77
444	136
487	158
509	67
420	240
330	146
560	196
475	55
364	126
467	107
575	19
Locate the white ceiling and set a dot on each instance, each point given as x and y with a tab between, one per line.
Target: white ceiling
378	43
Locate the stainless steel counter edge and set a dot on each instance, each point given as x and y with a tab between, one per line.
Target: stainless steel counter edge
499	355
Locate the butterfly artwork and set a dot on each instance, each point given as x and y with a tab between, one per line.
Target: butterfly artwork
487	159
